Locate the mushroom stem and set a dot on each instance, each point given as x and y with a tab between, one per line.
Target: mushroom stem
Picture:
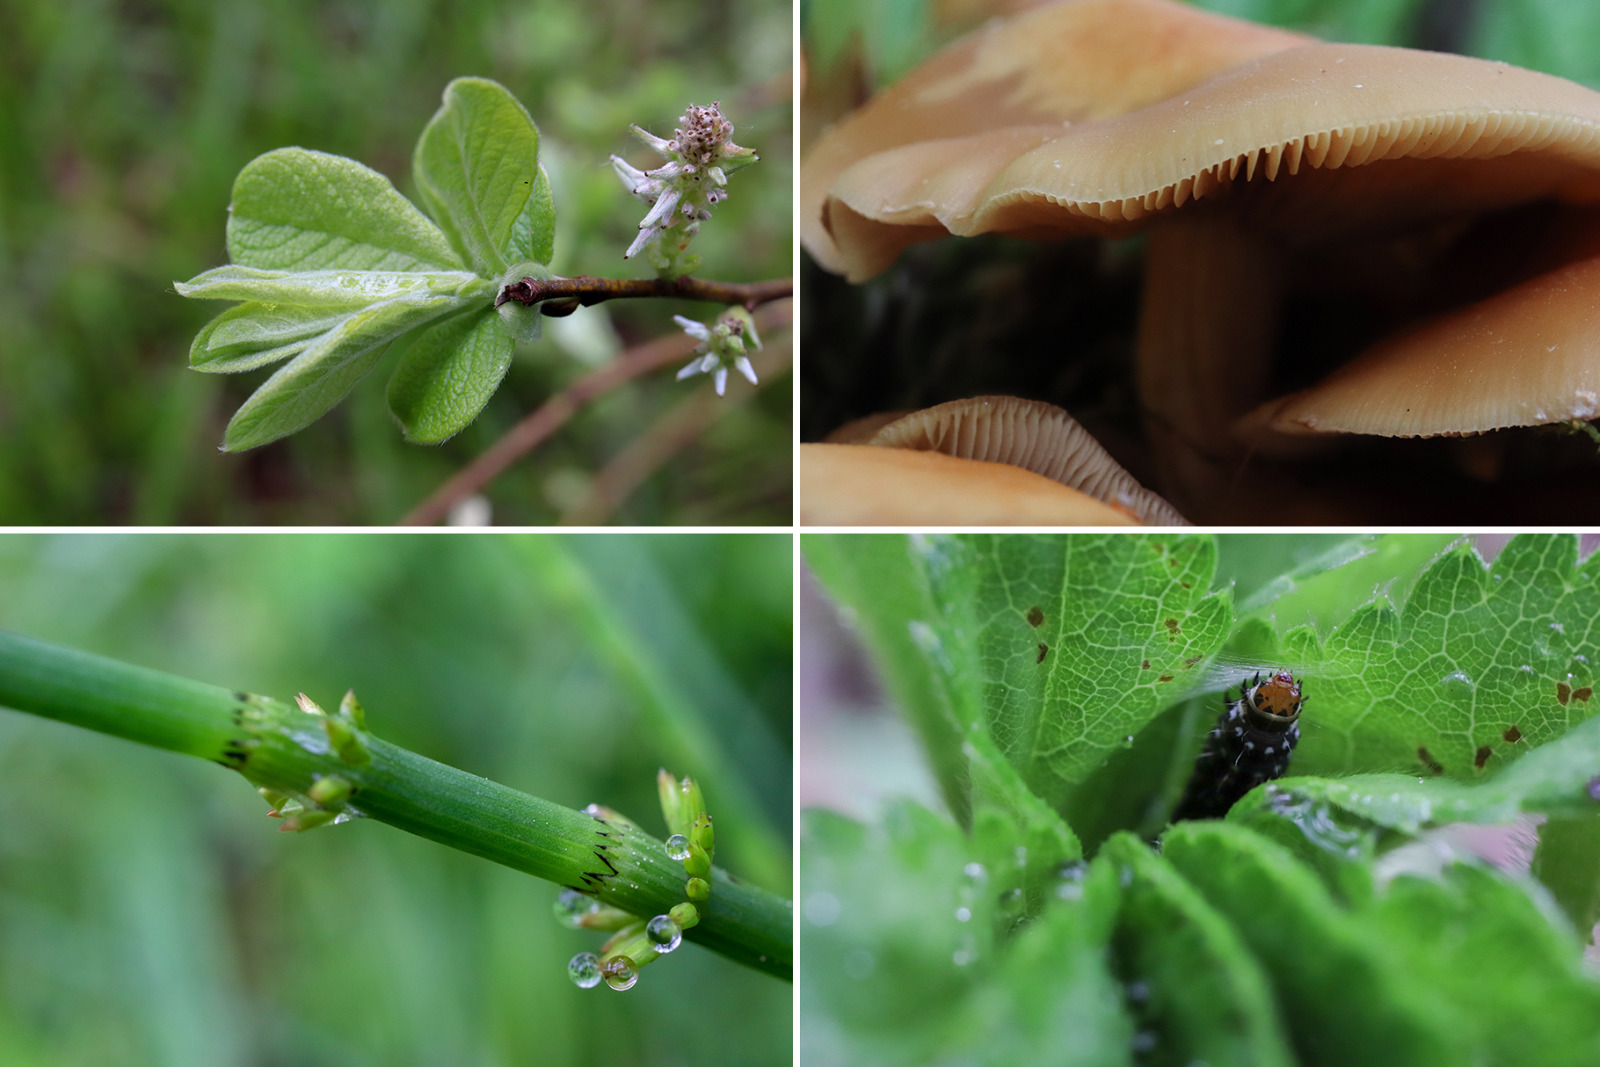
1212	294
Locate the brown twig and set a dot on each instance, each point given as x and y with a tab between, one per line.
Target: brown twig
541	423
584	290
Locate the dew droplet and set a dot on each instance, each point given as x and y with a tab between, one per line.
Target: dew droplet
1139	992
977	873
1011	902
1458	685
619	973
678	847
963	914
571	907
584	970
664	933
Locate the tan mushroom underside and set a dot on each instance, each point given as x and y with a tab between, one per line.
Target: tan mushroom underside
1453	135
1077	61
1035	436
1528	356
861	485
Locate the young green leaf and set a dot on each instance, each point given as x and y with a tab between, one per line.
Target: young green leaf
534	234
319	377
334	288
448	374
252	335
295	209
476	164
1206	998
1350	1001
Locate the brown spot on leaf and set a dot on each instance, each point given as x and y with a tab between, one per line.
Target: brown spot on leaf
1582	694
1145	665
1563	693
1165	678
1187	585
1035	616
1512	734
1481	757
1044	649
1433	765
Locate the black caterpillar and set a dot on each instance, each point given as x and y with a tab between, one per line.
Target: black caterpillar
1250	744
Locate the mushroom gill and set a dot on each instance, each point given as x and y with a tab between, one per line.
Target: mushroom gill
1062	63
1003	431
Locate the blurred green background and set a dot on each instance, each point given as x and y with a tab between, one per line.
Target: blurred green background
889	37
122	126
151	915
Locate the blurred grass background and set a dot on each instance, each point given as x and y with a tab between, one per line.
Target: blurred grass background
122	126
151	915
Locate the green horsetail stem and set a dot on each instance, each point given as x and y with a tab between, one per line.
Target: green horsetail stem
285	750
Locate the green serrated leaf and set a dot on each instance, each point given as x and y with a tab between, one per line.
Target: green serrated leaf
295	209
1205	996
1553	779
1480	665
1063	647
1568	864
1349	1000
448	374
332	288
475	166
1340	576
908	958
305	388
1082	641
1054	999
253	335
534	234
1515	980
879	905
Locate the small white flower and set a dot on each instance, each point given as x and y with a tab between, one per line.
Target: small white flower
681	196
721	346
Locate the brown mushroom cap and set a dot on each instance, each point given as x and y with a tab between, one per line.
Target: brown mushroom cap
1527	356
1454	135
858	485
1076	61
1032	435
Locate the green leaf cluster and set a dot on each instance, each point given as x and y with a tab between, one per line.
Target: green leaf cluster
332	266
1060	686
